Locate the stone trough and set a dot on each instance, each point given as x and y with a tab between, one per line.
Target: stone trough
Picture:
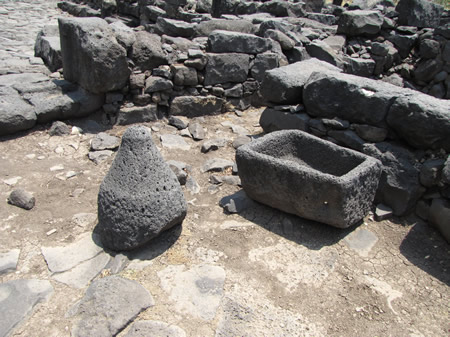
304	175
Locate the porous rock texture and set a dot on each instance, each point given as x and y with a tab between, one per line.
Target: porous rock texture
301	174
140	196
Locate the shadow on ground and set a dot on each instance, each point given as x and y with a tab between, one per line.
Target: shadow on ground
311	234
424	247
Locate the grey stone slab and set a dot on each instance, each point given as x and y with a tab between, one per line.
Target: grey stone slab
154	329
197	291
8	260
100	156
108	306
17	300
80	276
175	142
63	258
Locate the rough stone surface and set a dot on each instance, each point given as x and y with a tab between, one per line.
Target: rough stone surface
147	51
18	299
439	216
222	41
430	172
423	121
154	329
59	128
79	276
91	55
197	131
237	202
21	198
137	114
108	306
275	120
15	113
213	144
175	27
8	260
174	142
419	13
359	22
324	52
216	165
48	47
262	63
309	177
383	212
356	99
156	83
207	27
285	84
140	196
99	156
195	106
196	291
399	186
63	258
226	67
103	141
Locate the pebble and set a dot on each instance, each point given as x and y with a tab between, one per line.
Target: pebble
56	168
22	199
12	181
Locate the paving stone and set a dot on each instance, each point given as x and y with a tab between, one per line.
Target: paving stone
154	329
8	260
361	241
80	276
174	142
17	300
63	258
196	291
108	306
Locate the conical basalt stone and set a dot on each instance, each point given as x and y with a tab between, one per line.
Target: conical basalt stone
140	196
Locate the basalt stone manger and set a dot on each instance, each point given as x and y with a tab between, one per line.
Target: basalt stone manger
304	175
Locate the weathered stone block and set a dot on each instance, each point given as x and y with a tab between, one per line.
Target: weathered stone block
194	106
222	41
223	68
307	176
91	55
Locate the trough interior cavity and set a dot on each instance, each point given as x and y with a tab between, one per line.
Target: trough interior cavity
307	152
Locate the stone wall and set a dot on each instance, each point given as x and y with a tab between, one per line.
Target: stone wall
182	61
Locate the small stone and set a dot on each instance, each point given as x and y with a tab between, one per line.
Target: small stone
383	212
179	122
103	141
197	131
50	232
59	128
217	165
179	169
213	144
100	156
229	180
56	168
22	199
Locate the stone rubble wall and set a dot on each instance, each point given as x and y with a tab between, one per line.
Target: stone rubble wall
184	60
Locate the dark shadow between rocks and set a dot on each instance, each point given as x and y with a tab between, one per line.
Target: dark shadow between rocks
311	234
424	247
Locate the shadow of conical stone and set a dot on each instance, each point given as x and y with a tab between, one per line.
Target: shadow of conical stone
140	196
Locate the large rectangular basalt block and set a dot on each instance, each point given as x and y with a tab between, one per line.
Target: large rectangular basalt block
315	179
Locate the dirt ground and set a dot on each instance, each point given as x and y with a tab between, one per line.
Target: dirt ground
285	276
